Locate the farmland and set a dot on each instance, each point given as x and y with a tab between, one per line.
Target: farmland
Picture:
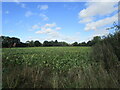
53	67
56	57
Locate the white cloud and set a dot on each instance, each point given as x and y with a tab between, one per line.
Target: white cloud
45	18
59	37
58	28
97	16
47	29
101	23
96	9
101	32
42	7
52	33
50	25
35	27
28	14
86	20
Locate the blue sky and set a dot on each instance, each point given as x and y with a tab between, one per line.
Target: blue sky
64	21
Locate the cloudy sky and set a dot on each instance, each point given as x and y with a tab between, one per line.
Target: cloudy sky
64	21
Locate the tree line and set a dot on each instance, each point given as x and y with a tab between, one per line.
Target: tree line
8	42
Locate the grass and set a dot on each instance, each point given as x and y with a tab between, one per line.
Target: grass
54	67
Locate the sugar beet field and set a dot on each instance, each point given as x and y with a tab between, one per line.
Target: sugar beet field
53	67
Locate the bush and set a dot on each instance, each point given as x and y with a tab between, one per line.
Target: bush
107	51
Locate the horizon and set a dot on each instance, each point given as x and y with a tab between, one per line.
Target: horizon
63	21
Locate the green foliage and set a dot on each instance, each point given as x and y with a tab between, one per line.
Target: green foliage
37	43
75	44
96	39
54	67
83	44
107	51
8	42
57	59
54	43
30	43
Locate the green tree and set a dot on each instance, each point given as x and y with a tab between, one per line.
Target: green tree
45	43
83	44
8	41
75	44
37	43
95	40
89	43
30	43
56	43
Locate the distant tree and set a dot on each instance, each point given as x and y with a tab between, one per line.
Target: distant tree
15	42
89	43
5	41
56	43
21	44
75	44
51	43
37	43
45	43
9	42
30	43
63	44
83	44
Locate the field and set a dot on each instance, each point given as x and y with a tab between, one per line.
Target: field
53	67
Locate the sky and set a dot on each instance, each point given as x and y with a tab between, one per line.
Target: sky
62	21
